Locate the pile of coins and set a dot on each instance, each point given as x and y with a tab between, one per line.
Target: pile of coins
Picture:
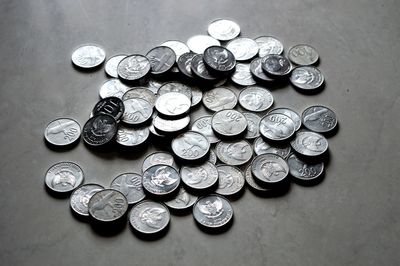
150	99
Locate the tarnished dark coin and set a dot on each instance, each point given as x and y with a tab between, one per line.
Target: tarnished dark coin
161	180
248	176
230	180
175	87
257	72
262	147
161	58
108	205
182	201
137	111
319	119
229	123
219	60
213	211
111	106
307	78
170	127
80	198
140	92
177	46
159	157
185	64
132	137
199	43
173	104
219	99
276	65
112	88
269	45
309	144
277	127
133	67
203	125
243	48
200	71
99	130
197	96
290	113
303	55
64	177
129	184
62	132
253	126
200	177
88	56
149	217
269	169
234	152
213	157
304	171
242	75
223	29
256	99
190	146
112	65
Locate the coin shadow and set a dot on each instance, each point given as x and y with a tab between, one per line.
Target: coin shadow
87	70
272	193
276	84
150	237
310	92
216	231
78	217
180	212
57	195
237	195
63	148
310	183
108	229
333	132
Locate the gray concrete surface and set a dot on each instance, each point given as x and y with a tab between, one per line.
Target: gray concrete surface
352	218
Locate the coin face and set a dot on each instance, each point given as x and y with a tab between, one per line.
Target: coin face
175	87
242	75
64	177
319	119
223	29
140	92
243	48
212	211
62	132
99	130
165	126
177	46
200	177
290	113
129	184
256	99
111	106
107	205
203	125
185	64
161	58
229	123
137	111
133	67
304	171
269	169
268	45
88	56
190	146
303	55
199	43
231	180
199	69
182	201
253	129
173	104
309	143
262	147
234	152
307	78
132	137
277	127
251	182
113	88
159	158
160	180
197	96
257	72
112	65
276	65
149	217
219	59
79	200
219	99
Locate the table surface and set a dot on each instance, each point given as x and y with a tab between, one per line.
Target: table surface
351	218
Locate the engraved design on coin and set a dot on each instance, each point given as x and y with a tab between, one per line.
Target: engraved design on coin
149	217
112	65
99	130
320	119
173	104
253	125
152	217
88	56
309	143
182	201
212	211
243	48
277	127
132	136
190	145
129	184
276	65
303	54
178	47
307	78
219	99
158	158
290	113
229	123
199	43
235	152
203	125
108	205
62	131
304	171
140	92
269	168
79	201
64	177
160	179
113	88
256	99
137	111
161	58
133	67
231	180
223	29
242	75
262	147
269	45
199	176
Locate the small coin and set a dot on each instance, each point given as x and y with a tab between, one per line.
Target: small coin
307	78
200	177
88	56
80	198
137	111
161	180
231	180
62	132
212	211
248	176
132	137
111	106
257	72
256	99
113	88
243	48
303	55
319	119
108	205
199	43
199	69
133	67
269	169
262	147
173	104
99	130
309	144
269	45
185	64
304	171
64	177
112	65
242	75
182	201
219	60
290	113
203	125
168	127
213	157
276	65
129	184
140	92
175	87
177	46
197	96
149	217
219	99
161	58
223	29
234	152
190	146
253	129
159	157
229	123
277	127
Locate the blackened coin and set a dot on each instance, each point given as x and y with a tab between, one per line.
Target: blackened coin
309	144
303	55
200	71
64	177
133	68
132	137
184	64
80	198
213	211
112	65
111	106
230	180
169	126
173	104
203	125
200	177
268	45
256	99
108	205
137	111
190	146
62	132
243	48
149	217
253	122
219	99
257	72
277	127
223	29
161	180
99	130
159	158
234	152
199	43
197	96
88	56
242	75
319	119
129	184
140	92
269	170
251	182
112	88
307	78
229	123
304	171
263	147
161	58
182	201
219	60
290	113
213	157
177	46
276	65
175	87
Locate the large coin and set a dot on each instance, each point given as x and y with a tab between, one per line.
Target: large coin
173	104
112	88
161	58
182	201
231	180
304	171
149	217
132	137
133	68
137	111
242	75
111	66
307	78
276	65
253	125
88	56
212	211
243	48
108	205
219	60
203	125
303	55
200	177
64	177
159	158
129	184
223	29
277	127
263	147
161	180
234	152
229	123
269	169
199	43
309	144
256	99
111	106
190	146
62	132
80	198
290	113
269	45
99	130
140	92
219	99
319	119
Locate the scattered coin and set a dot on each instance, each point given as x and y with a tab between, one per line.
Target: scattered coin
276	65
203	125
309	144
290	113
185	64
304	171
133	68
307	78
132	137
257	72
190	146
253	129
159	158
223	29
80	198
113	88
129	184
137	111
162	59
319	119
269	170
229	123
140	92
175	87
263	147
243	48
234	152
182	201
88	56
303	55
149	217
170	127
219	99
108	205
231	180
62	132
250	180
173	104
277	127
212	211
99	130
200	177
256	99
111	106
112	65
268	45
161	180
64	177
177	46
242	75
199	43
200	71
219	60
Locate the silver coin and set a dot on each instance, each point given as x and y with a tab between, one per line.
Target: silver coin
133	67
248	176
253	129
199	43
307	78
137	111
113	88
303	55
277	127
64	177
229	123
276	66
256	99
269	45
80	198
154	85
107	205
190	146
112	65
213	211
262	147
213	157
200	177
234	152
197	96
231	180
309	143
149	217
178	47
167	127
319	119
129	184
242	75
173	104
131	137
223	29
140	92
161	180
159	158
269	169
175	87
290	113
304	171
203	125
62	132
88	56
257	72
219	99
182	201
162	59
243	48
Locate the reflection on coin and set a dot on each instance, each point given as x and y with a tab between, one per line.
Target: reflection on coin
170	127
200	177
234	152
133	67
219	99
185	64
111	106
80	198
173	104
303	55
62	132
99	130
223	29
108	205
200	71
88	56
190	146
160	180
113	88
161	58
177	46
257	72
290	113
263	147
253	125
242	75
268	45
129	184
149	217
132	137
229	123
276	65
307	78
112	65
199	43
251	182
319	119
64	177
219	60
182	201
175	87
203	125
140	92
277	127
309	144
269	169
137	111
256	99
243	48
231	180
304	171
212	211
159	158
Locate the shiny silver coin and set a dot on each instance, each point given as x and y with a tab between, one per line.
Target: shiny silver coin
248	176
219	99
276	65
257	72
190	146
112	65
212	211
162	59
200	177
309	144
263	147
199	43
159	158
62	132
253	125
256	99
64	177
79	200
230	181
175	87
184	63
277	127
307	78
108	205
303	55
140	92
243	48
269	169
170	127
203	125
110	106
182	201
132	137
149	217
197	96
290	113
304	171
242	75
99	130
113	88
129	184
319	119
229	123
161	180
173	104
234	152
133	68
269	45
219	60
223	29
88	56
213	157
177	46
200	71
137	111
154	85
